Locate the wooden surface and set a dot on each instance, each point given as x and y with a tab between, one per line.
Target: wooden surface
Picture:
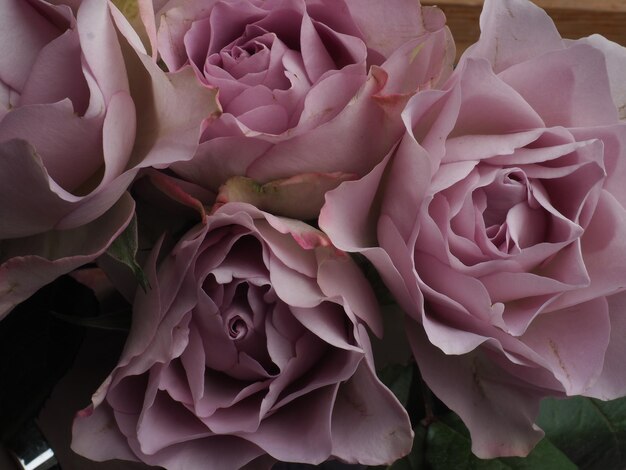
573	18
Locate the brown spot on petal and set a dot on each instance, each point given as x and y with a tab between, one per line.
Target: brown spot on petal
555	351
477	380
353	398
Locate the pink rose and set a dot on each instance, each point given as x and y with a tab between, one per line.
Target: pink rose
72	84
293	80
500	226
250	347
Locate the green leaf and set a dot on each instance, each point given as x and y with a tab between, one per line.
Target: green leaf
448	446
590	432
124	250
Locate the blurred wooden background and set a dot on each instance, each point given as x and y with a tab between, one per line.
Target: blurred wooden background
573	18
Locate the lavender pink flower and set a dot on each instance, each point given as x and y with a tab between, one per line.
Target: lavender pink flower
307	87
251	346
82	108
499	223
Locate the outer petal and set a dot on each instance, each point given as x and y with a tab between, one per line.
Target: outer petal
28	32
70	147
424	62
101	47
97	437
615	56
513	31
25	189
349	217
216	452
386	26
57	74
340	277
171	112
573	341
580	98
35	261
612	381
369	426
498	408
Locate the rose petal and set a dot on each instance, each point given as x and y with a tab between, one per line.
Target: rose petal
611	383
57	75
574	341
498	408
580	98
95	435
54	253
28	31
615	57
211	452
314	441
387	26
370	428
512	32
101	47
362	119
70	147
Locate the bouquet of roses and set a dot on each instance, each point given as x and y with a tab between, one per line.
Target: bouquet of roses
273	196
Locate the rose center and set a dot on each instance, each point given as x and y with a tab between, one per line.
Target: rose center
237	327
507	190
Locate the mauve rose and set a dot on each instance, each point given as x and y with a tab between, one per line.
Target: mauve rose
293	80
250	347
74	77
500	226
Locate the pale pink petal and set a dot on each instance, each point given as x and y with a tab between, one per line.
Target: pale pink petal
580	98
339	276
37	260
422	63
325	148
603	253
101	48
171	117
513	31
611	383
498	408
314	442
212	452
71	146
386	26
573	341
615	56
57	75
28	31
369	426
96	436
30	205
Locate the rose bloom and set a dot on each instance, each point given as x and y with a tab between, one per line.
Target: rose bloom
500	226
249	347
293	80
73	79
